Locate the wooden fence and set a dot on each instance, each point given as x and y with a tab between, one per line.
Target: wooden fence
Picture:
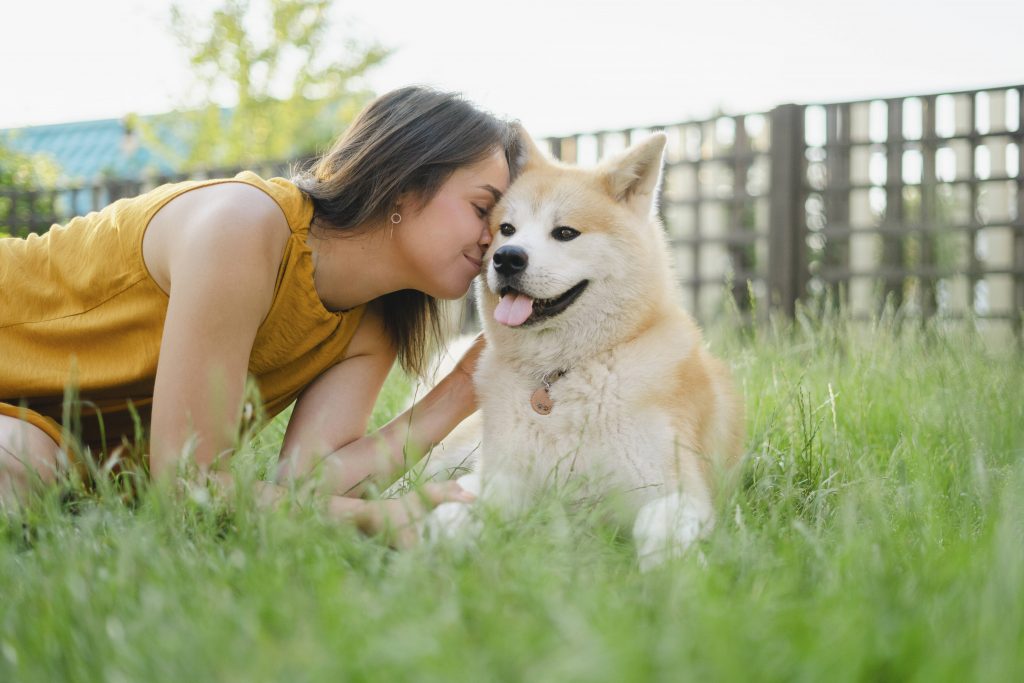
917	200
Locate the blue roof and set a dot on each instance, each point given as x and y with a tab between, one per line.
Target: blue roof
86	150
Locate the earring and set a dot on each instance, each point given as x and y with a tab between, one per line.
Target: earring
396	218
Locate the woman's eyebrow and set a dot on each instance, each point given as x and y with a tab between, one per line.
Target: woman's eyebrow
493	190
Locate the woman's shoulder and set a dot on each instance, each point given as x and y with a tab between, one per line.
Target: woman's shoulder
295	204
235	204
228	222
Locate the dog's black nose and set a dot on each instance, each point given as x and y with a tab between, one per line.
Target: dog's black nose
510	260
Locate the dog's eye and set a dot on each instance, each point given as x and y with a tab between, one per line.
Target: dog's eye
564	234
507	229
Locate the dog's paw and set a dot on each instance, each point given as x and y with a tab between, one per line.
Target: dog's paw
451	522
665	528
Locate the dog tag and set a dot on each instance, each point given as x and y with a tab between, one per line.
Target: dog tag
541	401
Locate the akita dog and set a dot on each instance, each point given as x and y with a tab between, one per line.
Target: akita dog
592	369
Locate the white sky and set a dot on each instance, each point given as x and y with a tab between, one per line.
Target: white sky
558	65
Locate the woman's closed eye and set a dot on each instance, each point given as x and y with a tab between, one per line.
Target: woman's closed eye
482	212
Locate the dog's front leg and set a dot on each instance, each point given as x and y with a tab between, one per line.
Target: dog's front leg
667	526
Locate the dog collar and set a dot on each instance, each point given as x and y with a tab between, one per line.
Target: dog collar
540	400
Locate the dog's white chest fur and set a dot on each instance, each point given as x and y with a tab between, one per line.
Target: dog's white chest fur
594	434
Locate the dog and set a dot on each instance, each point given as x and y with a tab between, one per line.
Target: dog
592	371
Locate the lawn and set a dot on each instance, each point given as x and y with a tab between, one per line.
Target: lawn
877	534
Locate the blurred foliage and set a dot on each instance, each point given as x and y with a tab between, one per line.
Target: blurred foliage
292	86
24	180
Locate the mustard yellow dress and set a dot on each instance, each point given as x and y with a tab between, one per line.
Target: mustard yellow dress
77	305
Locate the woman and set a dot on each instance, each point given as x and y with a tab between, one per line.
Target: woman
163	304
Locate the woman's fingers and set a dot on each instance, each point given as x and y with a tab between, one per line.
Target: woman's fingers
397	518
404	537
446	491
468	361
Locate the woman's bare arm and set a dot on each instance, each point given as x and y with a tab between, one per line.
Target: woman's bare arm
328	425
222	265
378	458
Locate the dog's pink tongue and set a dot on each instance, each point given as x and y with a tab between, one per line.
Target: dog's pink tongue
513	309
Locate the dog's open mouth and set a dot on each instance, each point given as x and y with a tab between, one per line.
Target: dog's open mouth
515	308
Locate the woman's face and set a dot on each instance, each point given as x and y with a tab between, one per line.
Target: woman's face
444	241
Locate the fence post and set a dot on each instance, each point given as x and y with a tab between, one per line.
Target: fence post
892	244
1018	235
787	248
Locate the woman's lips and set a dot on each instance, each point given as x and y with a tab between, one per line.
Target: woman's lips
476	262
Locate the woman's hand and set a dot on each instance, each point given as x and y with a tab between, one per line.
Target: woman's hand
466	367
397	518
467	363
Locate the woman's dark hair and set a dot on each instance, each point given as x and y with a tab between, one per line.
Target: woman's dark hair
409	140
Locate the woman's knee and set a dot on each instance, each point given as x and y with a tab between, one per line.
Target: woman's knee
27	456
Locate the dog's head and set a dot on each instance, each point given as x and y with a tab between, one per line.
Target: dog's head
573	246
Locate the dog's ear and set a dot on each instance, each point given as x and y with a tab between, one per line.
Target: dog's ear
632	176
528	154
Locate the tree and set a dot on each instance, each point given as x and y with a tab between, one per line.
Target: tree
27	202
289	92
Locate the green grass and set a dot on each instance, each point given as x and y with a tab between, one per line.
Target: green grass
878	535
